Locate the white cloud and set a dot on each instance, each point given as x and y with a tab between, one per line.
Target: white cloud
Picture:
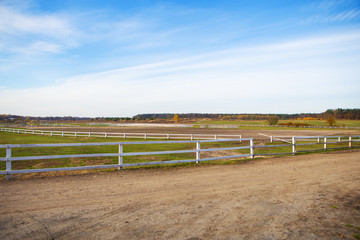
15	22
25	36
38	48
308	74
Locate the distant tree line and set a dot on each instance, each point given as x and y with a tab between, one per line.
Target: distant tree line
221	116
350	114
17	118
340	113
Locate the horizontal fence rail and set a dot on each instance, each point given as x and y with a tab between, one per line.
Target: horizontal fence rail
323	141
121	135
288	145
120	154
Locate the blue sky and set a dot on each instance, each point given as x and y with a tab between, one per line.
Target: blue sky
121	58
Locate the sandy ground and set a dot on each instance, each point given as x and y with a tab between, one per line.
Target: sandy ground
313	196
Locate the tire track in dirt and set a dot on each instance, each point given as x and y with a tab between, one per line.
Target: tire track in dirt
28	227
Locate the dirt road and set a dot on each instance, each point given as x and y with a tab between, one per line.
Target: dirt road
313	196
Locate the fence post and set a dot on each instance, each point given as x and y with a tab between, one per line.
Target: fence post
198	152
271	139
18	131
339	139
8	163
294	145
42	133
215	137
75	134
62	134
33	131
325	143
89	134
105	135
168	136
120	157
252	148
318	140
350	141
124	135
145	136
191	137
240	138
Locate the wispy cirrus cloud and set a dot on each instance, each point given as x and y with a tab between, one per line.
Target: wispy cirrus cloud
13	21
332	11
29	33
346	15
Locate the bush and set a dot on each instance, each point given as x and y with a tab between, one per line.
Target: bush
310	118
290	124
273	120
330	120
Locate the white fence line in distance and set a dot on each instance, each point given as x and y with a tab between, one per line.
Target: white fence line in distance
167	136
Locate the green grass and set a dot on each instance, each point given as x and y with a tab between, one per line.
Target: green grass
352	226
300	149
357	236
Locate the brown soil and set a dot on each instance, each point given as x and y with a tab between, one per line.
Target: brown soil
313	196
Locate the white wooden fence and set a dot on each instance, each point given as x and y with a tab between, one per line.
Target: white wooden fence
322	141
167	136
120	154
